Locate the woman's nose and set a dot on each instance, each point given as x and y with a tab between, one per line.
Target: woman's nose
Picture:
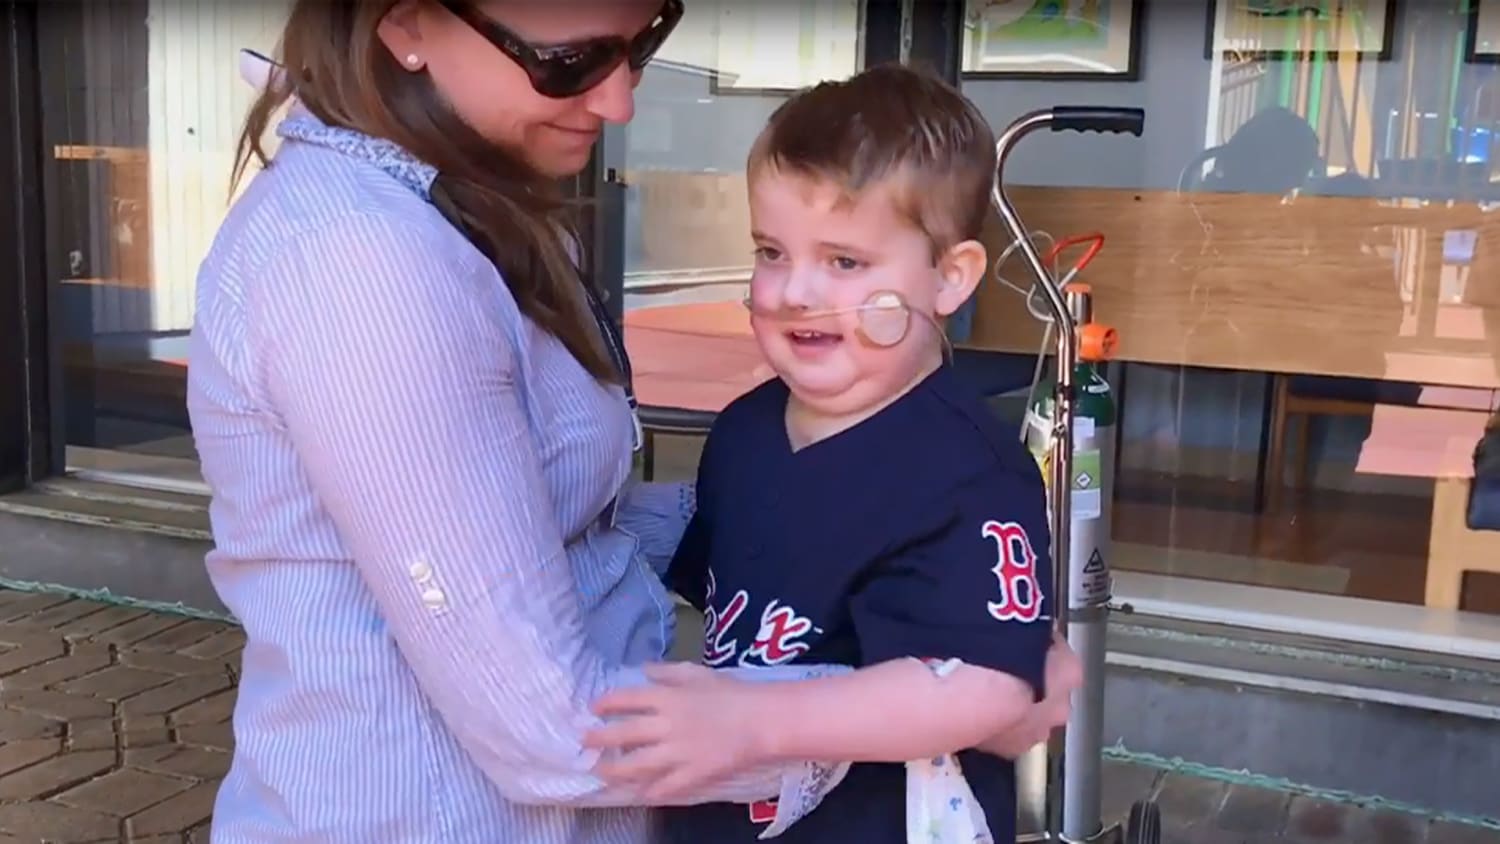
613	100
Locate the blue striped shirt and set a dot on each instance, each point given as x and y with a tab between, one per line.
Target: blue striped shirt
423	517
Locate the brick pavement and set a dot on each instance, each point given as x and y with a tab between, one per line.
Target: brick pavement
114	722
114	726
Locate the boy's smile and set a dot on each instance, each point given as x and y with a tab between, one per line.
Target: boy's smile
809	345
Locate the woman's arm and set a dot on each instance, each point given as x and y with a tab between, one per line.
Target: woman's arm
387	361
657	514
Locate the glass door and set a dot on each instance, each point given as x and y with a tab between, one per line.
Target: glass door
672	190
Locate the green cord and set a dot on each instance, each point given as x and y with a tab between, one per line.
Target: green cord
1307	654
104	596
1120	753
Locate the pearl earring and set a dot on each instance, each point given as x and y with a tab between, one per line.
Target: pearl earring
412	59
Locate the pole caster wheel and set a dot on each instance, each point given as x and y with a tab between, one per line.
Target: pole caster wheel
1144	824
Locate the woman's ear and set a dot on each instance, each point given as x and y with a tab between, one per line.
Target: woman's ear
960	269
401	32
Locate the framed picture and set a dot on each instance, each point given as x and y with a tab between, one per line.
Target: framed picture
776	48
1252	30
1053	39
1482	37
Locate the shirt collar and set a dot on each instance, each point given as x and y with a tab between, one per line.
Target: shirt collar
301	125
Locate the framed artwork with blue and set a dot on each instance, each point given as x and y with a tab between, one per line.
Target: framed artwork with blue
1259	30
1053	39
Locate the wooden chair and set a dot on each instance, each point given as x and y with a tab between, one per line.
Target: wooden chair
1301	398
1454	550
1431	437
681	421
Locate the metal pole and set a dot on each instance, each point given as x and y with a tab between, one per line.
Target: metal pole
1040	782
1039	777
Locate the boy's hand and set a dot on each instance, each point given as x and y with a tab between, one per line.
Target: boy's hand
1064	674
691	726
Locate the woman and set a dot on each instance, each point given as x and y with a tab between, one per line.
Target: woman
418	437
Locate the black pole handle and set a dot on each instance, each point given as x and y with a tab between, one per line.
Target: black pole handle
1098	119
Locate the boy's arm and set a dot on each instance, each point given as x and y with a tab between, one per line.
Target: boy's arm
976	592
972	590
1064	675
856	716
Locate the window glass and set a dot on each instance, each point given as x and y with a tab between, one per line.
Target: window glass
1304	271
142	107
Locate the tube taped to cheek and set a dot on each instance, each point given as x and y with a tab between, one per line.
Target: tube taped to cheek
940	805
884	318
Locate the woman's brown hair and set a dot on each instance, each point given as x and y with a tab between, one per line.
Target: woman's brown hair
339	69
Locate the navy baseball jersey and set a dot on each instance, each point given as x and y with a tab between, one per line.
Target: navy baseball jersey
919	532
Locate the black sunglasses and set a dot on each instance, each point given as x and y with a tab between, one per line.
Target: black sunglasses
567	70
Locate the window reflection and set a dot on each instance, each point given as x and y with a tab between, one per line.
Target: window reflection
140	114
1303	274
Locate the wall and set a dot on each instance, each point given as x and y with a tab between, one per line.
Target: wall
197	107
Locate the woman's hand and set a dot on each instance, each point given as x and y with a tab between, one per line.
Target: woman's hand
691	726
1064	674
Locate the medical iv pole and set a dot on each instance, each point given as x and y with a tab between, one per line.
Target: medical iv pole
1040	790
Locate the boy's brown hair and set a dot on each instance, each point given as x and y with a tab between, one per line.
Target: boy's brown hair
890	122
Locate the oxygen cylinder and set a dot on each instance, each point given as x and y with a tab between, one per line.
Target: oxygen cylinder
1094	420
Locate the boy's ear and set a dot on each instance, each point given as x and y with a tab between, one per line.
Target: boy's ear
960	270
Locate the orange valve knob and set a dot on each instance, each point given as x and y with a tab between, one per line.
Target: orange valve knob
1096	342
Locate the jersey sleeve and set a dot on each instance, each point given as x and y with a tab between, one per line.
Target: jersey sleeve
973	583
687	571
687	574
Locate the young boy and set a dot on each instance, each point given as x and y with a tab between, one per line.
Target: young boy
863	508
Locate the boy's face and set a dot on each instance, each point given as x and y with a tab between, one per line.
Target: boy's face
817	252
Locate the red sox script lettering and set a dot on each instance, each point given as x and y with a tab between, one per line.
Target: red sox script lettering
777	641
1015	568
716	624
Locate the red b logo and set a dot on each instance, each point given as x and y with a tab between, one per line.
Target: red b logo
1015	568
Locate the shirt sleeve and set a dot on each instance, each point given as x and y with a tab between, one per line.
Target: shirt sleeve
657	514
382	352
973	583
687	571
